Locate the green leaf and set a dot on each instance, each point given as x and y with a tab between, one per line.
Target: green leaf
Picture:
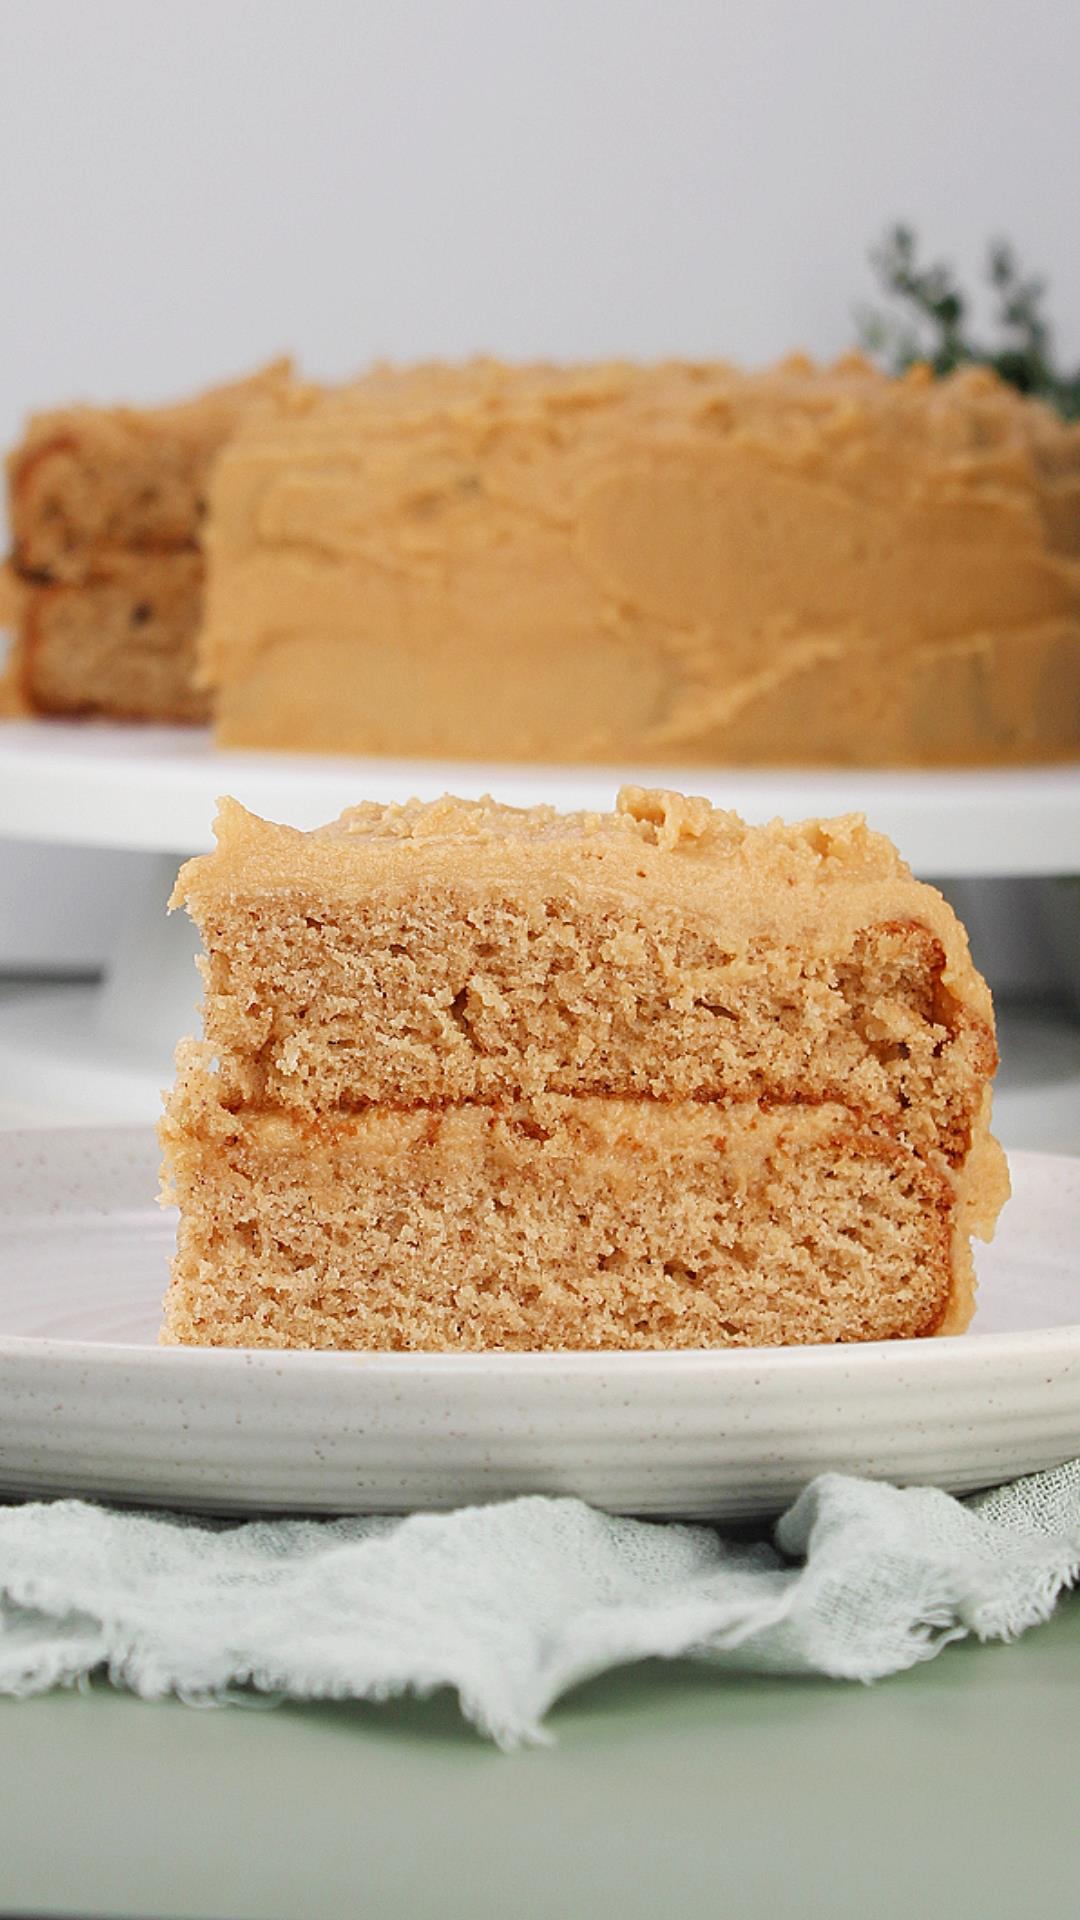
932	327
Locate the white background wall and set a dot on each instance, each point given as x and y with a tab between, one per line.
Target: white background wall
190	187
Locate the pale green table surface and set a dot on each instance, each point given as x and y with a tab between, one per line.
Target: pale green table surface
950	1791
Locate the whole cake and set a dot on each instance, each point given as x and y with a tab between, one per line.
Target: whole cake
475	1077
667	564
651	564
106	509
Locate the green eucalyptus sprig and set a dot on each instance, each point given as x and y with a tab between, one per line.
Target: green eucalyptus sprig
935	326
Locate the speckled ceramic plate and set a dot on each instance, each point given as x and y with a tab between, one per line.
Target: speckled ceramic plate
90	1404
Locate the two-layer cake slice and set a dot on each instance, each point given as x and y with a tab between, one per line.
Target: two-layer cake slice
474	1077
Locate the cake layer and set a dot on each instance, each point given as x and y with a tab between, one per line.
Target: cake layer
665	564
107	506
562	1223
87	481
423	955
122	644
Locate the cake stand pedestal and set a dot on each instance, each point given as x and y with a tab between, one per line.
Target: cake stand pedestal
105	1048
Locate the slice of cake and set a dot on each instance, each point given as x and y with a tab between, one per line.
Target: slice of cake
671	564
474	1077
106	510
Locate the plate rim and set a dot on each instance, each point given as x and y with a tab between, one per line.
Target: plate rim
959	1350
966	1349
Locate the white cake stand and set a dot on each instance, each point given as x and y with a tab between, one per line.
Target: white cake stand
149	794
155	788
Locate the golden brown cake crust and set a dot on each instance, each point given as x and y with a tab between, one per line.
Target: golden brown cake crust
673	564
480	1076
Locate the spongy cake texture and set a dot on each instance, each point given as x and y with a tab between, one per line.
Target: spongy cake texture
477	1077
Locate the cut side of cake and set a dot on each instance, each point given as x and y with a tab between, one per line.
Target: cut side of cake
107	505
475	1077
670	564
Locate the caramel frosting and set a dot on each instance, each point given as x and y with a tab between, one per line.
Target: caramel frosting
669	563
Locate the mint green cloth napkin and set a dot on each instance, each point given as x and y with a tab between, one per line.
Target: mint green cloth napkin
515	1603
